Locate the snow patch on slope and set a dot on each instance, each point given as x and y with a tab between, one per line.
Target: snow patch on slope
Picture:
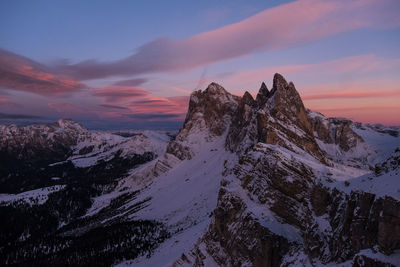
32	197
380	144
104	146
167	253
386	184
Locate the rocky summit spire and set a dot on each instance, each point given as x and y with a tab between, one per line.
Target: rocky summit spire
247	99
279	83
287	102
209	116
262	95
215	89
276	117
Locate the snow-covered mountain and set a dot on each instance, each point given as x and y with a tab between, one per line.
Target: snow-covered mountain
245	182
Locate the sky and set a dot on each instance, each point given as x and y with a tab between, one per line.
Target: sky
133	64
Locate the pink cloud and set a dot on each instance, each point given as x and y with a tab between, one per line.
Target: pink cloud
67	108
136	104
4	100
275	28
387	115
363	101
22	74
116	93
113	107
131	82
148	109
156	108
363	87
360	64
352	94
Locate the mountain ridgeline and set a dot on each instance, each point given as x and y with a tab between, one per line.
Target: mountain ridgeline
245	182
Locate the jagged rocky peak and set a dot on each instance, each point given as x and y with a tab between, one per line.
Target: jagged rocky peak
286	101
64	121
216	89
262	95
209	115
211	106
276	117
242	133
284	94
214	92
247	99
279	83
67	123
283	97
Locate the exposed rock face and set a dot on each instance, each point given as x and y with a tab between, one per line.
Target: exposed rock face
286	100
262	96
357	221
210	109
245	242
46	141
391	164
208	118
335	131
243	132
209	115
328	224
276	117
278	203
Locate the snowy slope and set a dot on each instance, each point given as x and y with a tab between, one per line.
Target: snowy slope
368	144
384	185
103	146
32	197
183	199
385	181
379	140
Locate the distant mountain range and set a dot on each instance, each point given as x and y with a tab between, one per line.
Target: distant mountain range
245	182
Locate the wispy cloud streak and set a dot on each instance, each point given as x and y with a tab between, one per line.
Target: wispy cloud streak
352	94
22	74
276	28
